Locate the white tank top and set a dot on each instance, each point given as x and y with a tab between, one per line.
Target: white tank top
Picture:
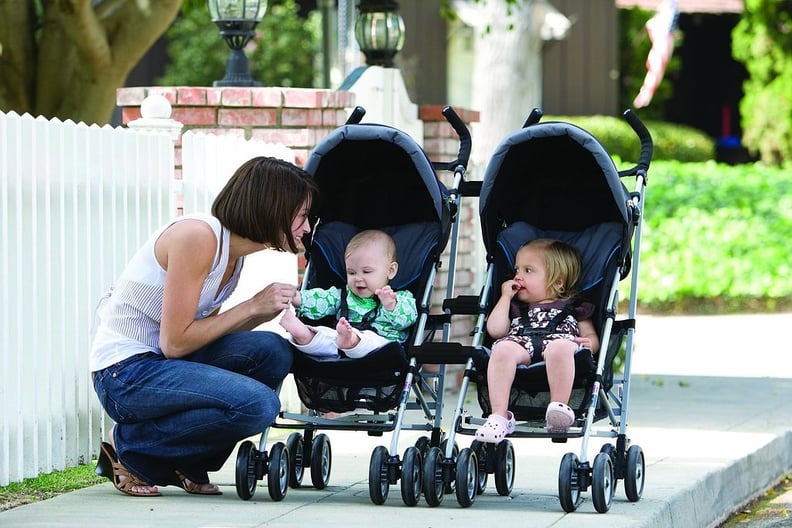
130	313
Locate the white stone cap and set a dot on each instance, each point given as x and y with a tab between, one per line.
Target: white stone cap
155	112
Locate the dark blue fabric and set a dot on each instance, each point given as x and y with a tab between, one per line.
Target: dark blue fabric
415	245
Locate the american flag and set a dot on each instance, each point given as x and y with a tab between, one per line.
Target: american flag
661	32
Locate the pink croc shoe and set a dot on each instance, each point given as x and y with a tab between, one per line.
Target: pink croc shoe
496	428
559	417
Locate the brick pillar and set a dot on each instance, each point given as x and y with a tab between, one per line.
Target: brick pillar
441	143
296	117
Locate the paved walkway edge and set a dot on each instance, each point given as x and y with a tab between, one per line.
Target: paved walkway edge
725	490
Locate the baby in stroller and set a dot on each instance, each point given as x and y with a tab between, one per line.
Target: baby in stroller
370	313
536	319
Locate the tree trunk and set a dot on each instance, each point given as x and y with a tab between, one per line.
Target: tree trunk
507	79
84	52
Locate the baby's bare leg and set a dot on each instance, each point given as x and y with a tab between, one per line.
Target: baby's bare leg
300	332
347	337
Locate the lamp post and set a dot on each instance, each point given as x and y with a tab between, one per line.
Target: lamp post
379	31
237	20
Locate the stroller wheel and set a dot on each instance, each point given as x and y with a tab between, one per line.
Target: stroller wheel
504	468
610	450
321	461
246	470
433	484
450	483
466	477
480	448
411	480
379	482
278	472
423	445
295	446
602	484
634	475
568	483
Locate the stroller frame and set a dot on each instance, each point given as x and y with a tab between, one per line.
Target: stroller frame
287	463
606	397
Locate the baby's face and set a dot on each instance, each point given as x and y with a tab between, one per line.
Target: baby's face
368	269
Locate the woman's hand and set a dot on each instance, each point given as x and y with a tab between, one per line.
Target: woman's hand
273	299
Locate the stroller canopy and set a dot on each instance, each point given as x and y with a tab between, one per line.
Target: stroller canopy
554	176
373	176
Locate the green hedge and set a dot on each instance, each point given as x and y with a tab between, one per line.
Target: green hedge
671	141
716	238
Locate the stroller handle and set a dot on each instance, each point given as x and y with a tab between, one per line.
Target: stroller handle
464	136
646	141
356	115
534	117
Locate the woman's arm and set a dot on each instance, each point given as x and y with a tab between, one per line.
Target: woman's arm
186	251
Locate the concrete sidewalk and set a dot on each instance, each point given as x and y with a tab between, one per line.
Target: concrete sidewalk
709	409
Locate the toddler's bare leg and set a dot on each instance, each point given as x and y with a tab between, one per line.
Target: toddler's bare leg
559	356
347	338
506	355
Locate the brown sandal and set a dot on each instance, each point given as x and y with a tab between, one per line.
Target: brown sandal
189	486
124	481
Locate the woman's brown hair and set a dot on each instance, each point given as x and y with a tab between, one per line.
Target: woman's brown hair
261	200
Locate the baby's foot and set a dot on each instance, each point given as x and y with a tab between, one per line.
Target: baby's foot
300	332
347	337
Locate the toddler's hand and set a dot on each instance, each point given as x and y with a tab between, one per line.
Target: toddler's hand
585	342
510	288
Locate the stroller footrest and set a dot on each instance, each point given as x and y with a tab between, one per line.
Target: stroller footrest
443	353
463	305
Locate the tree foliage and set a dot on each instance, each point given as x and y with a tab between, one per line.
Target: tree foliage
281	54
762	40
65	58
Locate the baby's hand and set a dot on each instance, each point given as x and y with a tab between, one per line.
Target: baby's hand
387	297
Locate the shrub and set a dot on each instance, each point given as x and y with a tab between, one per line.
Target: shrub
762	40
671	141
716	238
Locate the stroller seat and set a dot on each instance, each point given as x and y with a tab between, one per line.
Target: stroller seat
374	381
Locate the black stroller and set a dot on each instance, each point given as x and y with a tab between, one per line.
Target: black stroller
371	177
555	180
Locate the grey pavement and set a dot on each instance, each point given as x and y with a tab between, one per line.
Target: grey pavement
711	408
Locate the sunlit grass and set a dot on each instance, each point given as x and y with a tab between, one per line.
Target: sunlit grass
47	486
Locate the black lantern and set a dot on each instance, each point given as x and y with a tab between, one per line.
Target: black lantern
379	31
237	21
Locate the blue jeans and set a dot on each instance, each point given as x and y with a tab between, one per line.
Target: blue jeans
188	414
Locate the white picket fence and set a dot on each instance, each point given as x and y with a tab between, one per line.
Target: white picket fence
76	201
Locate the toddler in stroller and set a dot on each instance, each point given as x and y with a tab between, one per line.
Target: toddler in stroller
536	319
370	313
552	180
